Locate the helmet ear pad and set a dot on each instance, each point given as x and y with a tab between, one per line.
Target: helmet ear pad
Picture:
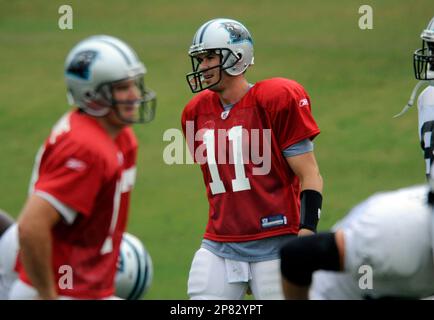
234	61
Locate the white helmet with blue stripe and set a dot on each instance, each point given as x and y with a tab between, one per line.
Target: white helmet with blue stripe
94	65
226	37
134	271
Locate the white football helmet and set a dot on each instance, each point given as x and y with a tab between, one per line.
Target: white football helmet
91	69
134	271
229	39
423	58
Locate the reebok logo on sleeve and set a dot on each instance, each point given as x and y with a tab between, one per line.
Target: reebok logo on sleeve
75	164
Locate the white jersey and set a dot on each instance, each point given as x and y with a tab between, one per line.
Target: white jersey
387	249
8	258
425	106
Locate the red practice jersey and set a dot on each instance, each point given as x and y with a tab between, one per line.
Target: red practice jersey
250	200
82	167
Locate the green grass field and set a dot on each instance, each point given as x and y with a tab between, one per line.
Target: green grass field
357	80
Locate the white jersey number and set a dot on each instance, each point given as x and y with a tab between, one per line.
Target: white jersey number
241	182
125	184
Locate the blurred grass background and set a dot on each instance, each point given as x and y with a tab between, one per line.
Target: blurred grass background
357	80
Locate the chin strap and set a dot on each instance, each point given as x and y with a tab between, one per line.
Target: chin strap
412	97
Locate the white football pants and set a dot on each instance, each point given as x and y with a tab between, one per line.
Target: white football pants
215	278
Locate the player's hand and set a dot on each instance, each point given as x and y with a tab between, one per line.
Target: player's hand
305	232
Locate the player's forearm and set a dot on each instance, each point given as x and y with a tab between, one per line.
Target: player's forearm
307	170
35	246
34	228
312	181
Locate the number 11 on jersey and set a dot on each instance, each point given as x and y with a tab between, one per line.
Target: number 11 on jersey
241	182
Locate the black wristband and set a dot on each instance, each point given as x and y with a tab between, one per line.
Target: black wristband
431	198
310	209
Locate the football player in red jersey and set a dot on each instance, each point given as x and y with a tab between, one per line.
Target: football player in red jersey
134	267
255	202
71	226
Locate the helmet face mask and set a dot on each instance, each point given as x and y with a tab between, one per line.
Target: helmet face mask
227	38
423	58
94	67
423	61
140	110
196	79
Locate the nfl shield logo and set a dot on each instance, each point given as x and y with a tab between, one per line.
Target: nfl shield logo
225	114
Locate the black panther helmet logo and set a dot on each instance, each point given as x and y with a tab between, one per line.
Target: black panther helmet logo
236	32
80	64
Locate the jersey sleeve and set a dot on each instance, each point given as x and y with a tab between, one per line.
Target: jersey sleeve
71	174
291	116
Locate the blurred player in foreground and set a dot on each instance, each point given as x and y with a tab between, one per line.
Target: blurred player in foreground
134	268
70	229
384	247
